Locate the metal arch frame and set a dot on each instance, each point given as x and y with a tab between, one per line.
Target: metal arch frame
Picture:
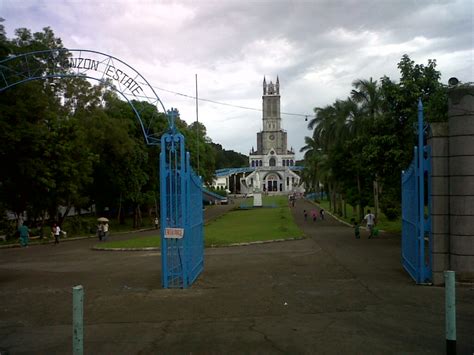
149	138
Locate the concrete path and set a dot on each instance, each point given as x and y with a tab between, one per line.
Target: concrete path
328	294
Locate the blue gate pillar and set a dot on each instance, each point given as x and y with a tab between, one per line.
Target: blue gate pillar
416	229
182	244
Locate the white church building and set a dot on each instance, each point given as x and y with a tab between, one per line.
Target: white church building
272	165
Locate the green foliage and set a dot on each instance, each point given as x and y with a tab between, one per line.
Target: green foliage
369	137
390	203
220	192
228	158
66	142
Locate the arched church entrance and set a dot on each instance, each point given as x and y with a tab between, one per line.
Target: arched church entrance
273	183
272	161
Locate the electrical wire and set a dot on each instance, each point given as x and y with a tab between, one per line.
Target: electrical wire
226	104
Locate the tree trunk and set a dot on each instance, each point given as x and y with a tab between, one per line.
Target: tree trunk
376	198
157	211
359	190
63	216
139	216
134	225
330	196
119	209
333	197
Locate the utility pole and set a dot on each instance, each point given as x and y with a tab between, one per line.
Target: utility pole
197	124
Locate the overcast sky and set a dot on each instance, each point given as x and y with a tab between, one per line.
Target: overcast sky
317	48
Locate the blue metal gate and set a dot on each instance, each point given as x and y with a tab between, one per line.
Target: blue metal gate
416	211
182	255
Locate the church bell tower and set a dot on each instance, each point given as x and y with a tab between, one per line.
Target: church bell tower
272	136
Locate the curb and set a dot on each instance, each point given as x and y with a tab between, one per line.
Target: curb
212	246
17	245
127	249
256	242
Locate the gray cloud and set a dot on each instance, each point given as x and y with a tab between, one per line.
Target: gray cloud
318	48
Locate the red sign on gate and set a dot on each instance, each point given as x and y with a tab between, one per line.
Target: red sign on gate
174	233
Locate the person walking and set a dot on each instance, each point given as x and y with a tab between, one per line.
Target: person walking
100	231
356	228
370	219
321	213
305	213
56	232
314	215
156	222
106	230
24	235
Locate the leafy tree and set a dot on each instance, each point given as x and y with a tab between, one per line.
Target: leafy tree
371	134
229	158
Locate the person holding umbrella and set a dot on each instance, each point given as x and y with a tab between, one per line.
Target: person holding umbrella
102	228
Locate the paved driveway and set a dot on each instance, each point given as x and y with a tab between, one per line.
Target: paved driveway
328	293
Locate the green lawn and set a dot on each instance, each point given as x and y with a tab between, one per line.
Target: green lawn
383	223
236	226
139	242
253	225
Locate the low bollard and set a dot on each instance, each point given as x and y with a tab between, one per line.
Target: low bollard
450	309
77	320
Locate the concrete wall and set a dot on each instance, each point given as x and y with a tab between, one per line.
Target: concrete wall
461	181
452	147
439	142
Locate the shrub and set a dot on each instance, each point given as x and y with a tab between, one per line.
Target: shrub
391	212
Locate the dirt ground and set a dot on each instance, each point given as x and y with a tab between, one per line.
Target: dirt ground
328	293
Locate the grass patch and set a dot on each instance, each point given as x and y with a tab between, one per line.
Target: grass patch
237	226
259	224
139	242
382	222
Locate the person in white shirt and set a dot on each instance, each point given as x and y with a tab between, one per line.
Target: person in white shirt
57	233
106	230
370	218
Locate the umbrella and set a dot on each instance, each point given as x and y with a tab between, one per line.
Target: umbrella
102	219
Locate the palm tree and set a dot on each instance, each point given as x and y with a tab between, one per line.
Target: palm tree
369	97
312	149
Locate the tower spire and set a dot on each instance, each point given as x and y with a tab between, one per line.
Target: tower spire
264	86
277	86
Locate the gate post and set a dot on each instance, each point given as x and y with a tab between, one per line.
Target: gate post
438	142
421	195
181	216
461	180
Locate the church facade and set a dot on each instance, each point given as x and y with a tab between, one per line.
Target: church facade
272	165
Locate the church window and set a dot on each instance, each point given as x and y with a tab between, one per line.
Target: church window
272	161
284	162
260	163
287	181
253	163
292	181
